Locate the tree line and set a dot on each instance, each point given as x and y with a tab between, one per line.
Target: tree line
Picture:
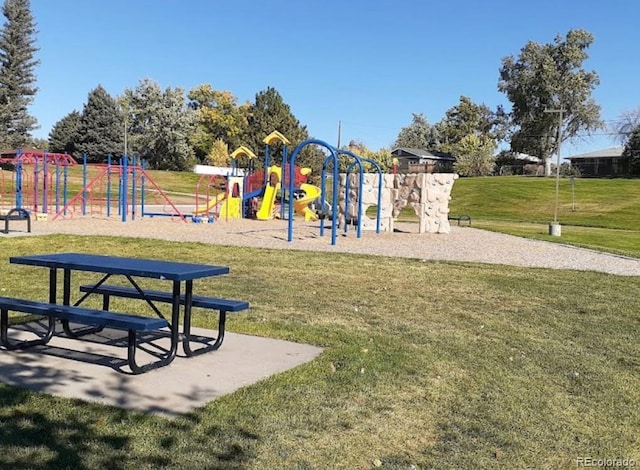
549	90
551	102
171	130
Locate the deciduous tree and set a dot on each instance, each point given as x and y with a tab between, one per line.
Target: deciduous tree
160	124
382	157
474	156
219	154
626	124
469	118
17	76
548	77
218	117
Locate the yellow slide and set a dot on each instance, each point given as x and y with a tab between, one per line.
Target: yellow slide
212	204
302	205
269	199
230	207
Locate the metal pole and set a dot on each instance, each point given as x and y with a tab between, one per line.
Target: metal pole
560	113
554	229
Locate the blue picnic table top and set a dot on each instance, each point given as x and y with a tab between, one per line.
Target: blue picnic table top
141	267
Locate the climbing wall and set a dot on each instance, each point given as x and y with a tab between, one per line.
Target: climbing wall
427	193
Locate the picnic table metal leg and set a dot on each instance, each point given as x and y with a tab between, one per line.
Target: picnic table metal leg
4	334
132	340
44	339
66	300
132	343
142	296
186	341
174	325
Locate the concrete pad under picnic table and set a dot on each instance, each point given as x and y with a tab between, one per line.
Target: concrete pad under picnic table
94	369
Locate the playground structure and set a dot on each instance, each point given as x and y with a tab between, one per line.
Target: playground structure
222	193
234	192
41	183
427	193
331	163
277	195
125	188
353	193
34	180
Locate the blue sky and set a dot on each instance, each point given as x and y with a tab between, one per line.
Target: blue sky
367	64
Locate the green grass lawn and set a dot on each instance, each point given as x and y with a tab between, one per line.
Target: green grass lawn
426	364
602	214
603	203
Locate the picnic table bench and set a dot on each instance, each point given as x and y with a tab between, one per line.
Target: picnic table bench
461	218
16	213
224	306
85	316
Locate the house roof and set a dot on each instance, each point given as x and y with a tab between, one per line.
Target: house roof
604	153
422	153
525	157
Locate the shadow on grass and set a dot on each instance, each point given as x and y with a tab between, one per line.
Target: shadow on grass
42	431
31	439
65	435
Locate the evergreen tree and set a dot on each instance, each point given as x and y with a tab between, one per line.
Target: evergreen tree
419	135
270	113
64	134
101	128
631	153
17	77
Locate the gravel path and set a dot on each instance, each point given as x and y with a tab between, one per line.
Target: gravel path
462	244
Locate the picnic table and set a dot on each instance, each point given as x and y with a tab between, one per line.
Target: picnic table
180	296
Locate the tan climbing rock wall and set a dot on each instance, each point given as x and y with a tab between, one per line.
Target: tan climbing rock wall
428	193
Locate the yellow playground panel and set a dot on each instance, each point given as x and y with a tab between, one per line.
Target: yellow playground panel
227	203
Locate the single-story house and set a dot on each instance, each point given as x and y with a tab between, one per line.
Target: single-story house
518	163
422	161
606	162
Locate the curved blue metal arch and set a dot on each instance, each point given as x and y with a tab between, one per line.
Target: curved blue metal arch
334	159
359	161
285	159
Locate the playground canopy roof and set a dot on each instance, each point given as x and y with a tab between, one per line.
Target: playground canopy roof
31	156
